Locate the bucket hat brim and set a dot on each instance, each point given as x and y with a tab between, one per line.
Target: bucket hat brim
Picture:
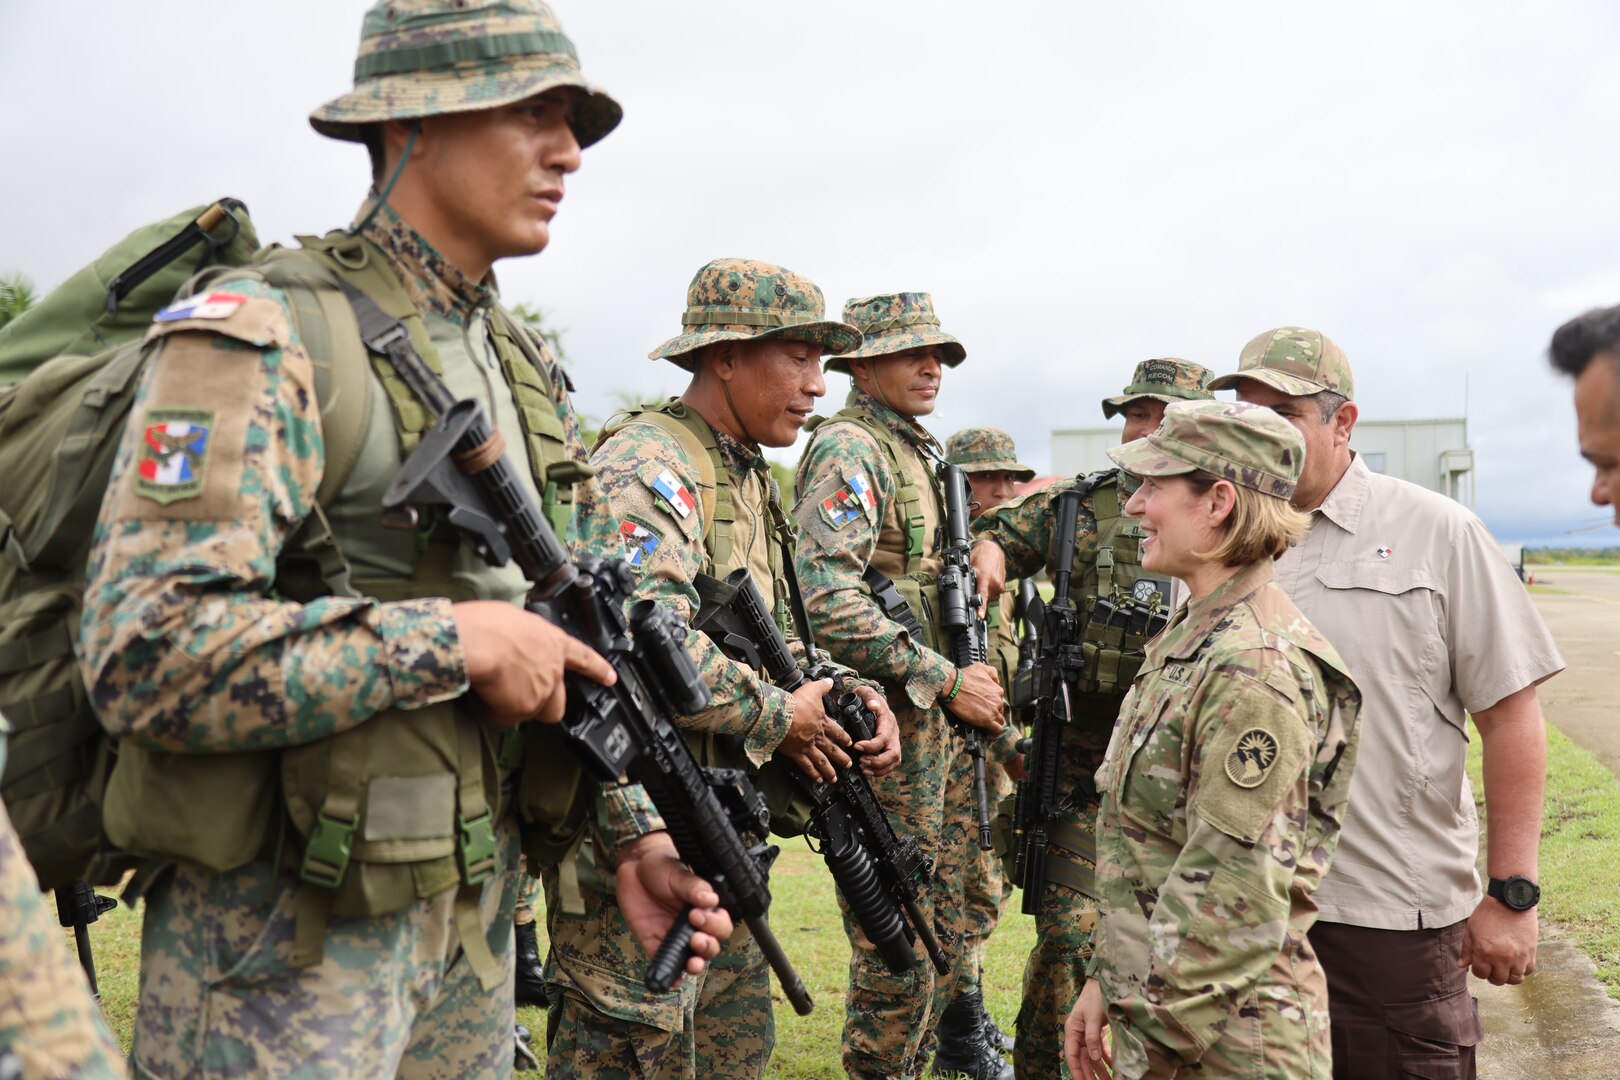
886	344
1020	471
1113	406
1292	385
833	337
413	95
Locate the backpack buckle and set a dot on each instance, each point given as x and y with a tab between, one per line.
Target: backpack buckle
326	859
475	848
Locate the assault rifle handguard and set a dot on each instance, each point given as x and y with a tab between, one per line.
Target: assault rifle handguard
962	626
715	817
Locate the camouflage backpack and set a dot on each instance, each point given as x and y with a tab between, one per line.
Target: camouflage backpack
69	367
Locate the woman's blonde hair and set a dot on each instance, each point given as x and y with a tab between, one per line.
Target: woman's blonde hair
1259	526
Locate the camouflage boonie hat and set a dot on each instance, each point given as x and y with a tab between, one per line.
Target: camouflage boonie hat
745	299
1246	444
985	449
1167	379
429	57
895	322
1294	360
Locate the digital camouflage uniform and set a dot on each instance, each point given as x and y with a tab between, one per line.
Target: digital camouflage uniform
49	1023
194	649
681	518
987	886
849	515
1223	793
1106	561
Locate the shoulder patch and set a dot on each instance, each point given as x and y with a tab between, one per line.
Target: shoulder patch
211	305
641	538
1251	760
257	320
674	494
174	454
850	502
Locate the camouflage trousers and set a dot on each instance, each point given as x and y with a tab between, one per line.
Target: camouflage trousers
889	1019
528	901
604	1023
393	994
985	887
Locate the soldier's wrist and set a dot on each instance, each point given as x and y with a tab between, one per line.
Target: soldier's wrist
956	688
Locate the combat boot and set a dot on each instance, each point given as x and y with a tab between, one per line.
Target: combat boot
999	1039
964	1043
530	987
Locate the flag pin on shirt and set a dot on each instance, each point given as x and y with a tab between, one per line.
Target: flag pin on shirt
1385	552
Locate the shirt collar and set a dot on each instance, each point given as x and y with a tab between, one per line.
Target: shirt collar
1348	498
903	426
740	458
1193	624
432	282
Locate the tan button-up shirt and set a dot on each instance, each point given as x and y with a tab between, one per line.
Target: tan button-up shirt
1422	605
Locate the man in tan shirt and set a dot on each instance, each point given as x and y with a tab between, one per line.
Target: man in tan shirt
1416	596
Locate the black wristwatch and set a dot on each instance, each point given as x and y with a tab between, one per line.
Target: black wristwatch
1518	893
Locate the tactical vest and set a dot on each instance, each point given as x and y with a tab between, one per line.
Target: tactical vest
907	550
402	807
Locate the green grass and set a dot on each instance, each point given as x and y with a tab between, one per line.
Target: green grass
1580	877
803	914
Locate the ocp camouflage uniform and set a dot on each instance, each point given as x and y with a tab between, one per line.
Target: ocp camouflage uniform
49	1023
345	845
868	496
1223	793
1106	564
692	502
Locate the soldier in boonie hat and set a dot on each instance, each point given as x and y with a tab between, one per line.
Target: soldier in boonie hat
895	322
1164	380
1295	360
990	460
1247	444
423	58
746	299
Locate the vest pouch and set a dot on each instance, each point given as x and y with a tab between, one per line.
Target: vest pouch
213	810
390	810
918	591
553	797
790	807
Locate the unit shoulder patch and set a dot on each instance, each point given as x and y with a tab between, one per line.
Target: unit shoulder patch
1251	760
641	538
850	501
174	454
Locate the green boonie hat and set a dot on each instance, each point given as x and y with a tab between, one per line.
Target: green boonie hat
1167	379
1246	444
1295	360
985	449
895	322
745	299
430	57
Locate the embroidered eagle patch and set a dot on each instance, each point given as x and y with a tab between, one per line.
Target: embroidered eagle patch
1251	760
174	454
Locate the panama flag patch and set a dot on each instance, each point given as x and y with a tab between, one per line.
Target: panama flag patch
174	454
212	305
639	541
863	492
849	502
674	493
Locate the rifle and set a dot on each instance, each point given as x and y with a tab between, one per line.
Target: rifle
715	817
77	906
1021	694
1052	679
960	622
877	871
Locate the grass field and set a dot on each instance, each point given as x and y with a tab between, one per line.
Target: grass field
1580	879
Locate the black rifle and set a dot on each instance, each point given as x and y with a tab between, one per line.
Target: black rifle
1021	694
880	874
960	622
1052	681
77	906
715	817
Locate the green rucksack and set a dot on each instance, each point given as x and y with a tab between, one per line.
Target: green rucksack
69	367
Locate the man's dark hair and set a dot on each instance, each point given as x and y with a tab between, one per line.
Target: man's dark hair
1576	342
1328	402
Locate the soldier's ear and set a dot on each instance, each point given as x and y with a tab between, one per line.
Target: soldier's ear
1344	422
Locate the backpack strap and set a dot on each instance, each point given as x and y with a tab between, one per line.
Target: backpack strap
681	422
907	496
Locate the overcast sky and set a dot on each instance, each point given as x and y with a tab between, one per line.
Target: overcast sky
1080	185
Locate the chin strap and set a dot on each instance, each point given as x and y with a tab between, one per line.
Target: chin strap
393	178
725	389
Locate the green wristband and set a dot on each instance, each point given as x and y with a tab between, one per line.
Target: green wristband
956	688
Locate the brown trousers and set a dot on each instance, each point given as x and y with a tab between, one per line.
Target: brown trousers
1399	1005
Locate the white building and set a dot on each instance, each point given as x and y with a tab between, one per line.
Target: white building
1433	453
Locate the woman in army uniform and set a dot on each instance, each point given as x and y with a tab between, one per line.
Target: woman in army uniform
1225	785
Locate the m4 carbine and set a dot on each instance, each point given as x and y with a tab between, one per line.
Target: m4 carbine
718	822
961	624
880	874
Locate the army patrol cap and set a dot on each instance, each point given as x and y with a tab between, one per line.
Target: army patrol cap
746	299
430	57
1167	379
1246	444
985	449
1294	360
895	322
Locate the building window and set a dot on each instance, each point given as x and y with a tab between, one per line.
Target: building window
1375	462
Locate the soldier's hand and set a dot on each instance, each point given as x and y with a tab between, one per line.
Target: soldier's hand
813	741
516	661
1085	1047
979	700
881	753
1500	943
654	886
990	563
